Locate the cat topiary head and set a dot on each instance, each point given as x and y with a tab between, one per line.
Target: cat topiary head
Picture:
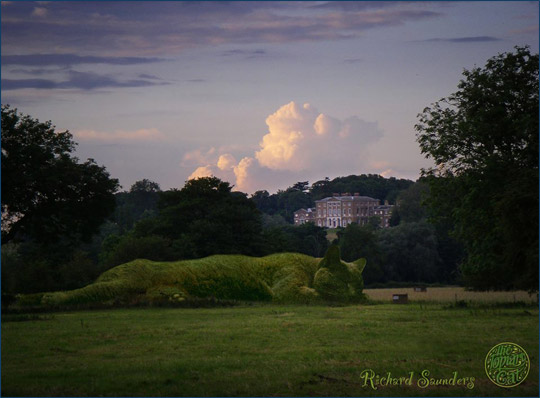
339	281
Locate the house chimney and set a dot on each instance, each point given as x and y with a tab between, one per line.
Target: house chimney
356	194
386	203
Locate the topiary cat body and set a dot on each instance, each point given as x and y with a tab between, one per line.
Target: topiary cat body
284	277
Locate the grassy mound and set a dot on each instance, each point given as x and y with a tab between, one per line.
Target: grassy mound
284	277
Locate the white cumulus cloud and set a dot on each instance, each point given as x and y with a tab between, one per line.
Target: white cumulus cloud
203	171
226	162
198	157
242	172
300	138
301	143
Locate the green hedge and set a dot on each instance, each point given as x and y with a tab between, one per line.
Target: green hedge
284	277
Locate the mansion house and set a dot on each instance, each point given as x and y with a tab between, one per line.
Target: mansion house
341	210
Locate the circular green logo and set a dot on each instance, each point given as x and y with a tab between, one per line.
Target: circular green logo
507	364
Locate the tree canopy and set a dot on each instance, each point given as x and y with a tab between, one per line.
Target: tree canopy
203	218
484	141
46	192
301	195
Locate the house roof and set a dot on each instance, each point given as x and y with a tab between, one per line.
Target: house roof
309	210
346	198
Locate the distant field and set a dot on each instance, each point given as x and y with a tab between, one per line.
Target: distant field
451	294
331	234
261	350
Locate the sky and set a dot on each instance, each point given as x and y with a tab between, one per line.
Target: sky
260	94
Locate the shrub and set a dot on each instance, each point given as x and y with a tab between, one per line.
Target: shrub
284	277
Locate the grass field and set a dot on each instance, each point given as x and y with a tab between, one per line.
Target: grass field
451	294
331	234
261	350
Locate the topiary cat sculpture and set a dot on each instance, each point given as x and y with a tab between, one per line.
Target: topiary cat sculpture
284	277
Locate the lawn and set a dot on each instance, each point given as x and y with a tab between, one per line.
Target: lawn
261	350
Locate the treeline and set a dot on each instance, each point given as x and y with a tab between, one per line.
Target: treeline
415	249
206	217
203	218
285	202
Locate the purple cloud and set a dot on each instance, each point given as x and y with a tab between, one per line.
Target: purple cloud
77	80
104	28
72	59
470	39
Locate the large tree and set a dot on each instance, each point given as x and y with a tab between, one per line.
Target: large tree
46	193
203	218
484	142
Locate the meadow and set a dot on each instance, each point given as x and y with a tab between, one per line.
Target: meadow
263	349
453	295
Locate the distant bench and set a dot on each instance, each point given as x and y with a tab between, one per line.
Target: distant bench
420	289
400	298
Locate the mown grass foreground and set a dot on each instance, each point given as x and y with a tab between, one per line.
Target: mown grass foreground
261	350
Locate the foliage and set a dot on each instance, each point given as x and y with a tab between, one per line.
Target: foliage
357	241
46	193
117	251
411	203
484	141
410	252
339	281
205	218
52	207
371	185
307	239
280	277
283	203
138	203
300	195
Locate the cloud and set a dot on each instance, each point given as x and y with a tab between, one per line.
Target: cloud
301	142
78	80
356	5
173	27
200	172
73	59
198	157
387	173
244	53
325	125
242	172
40	71
526	30
469	39
150	77
226	162
299	137
40	12
144	135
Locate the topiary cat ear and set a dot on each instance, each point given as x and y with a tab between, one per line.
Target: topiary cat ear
361	264
331	259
